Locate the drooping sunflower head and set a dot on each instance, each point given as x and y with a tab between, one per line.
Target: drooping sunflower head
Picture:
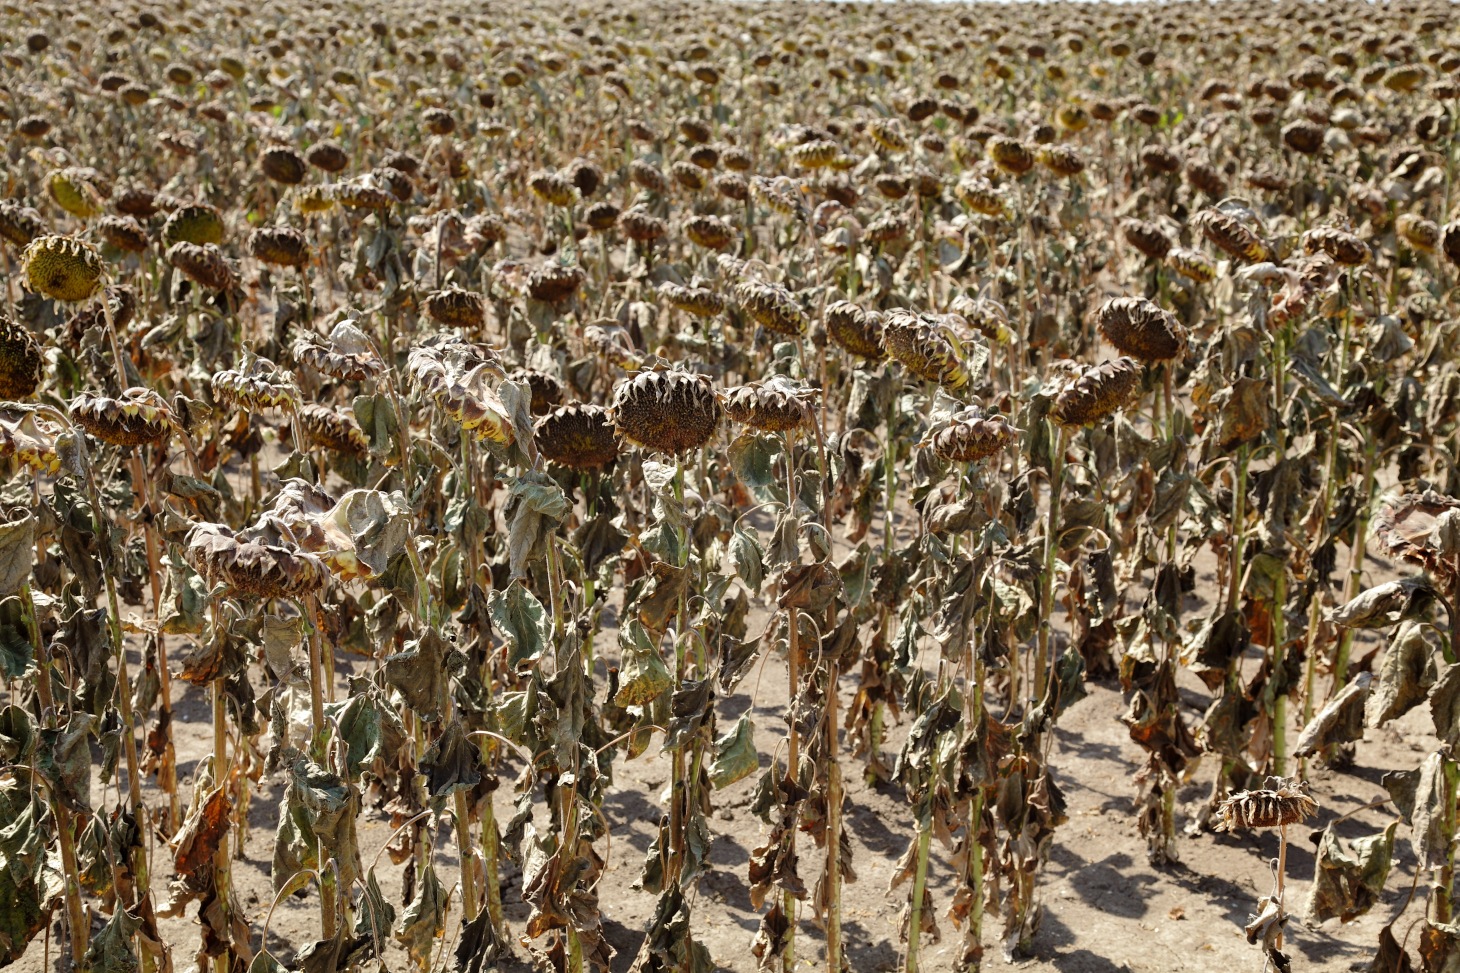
930	346
62	268
555	283
259	386
456	308
19	224
20	360
710	232
1146	237
283	165
31	441
1096	392
203	264
137	417
195	223
772	307
1342	245
857	330
552	188
1418	232
1230	235
1192	264
253	567
348	355
122	232
775	406
702	302
1280	801
1141	329
972	436
577	436
666	411
547	390
281	246
333	429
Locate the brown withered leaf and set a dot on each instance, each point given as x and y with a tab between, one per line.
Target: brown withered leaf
198	840
1341	720
769	945
1347	881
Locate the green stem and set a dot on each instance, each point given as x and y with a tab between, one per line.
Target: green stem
833	832
920	884
222	862
463	844
1051	549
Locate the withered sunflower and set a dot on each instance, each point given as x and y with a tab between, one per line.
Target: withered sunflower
775	406
20	360
699	301
333	429
252	567
930	346
62	268
971	436
281	246
1230	235
856	330
1141	329
348	355
1095	392
554	283
137	417
1279	802
666	411
456	308
772	307
577	436
203	264
262	385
